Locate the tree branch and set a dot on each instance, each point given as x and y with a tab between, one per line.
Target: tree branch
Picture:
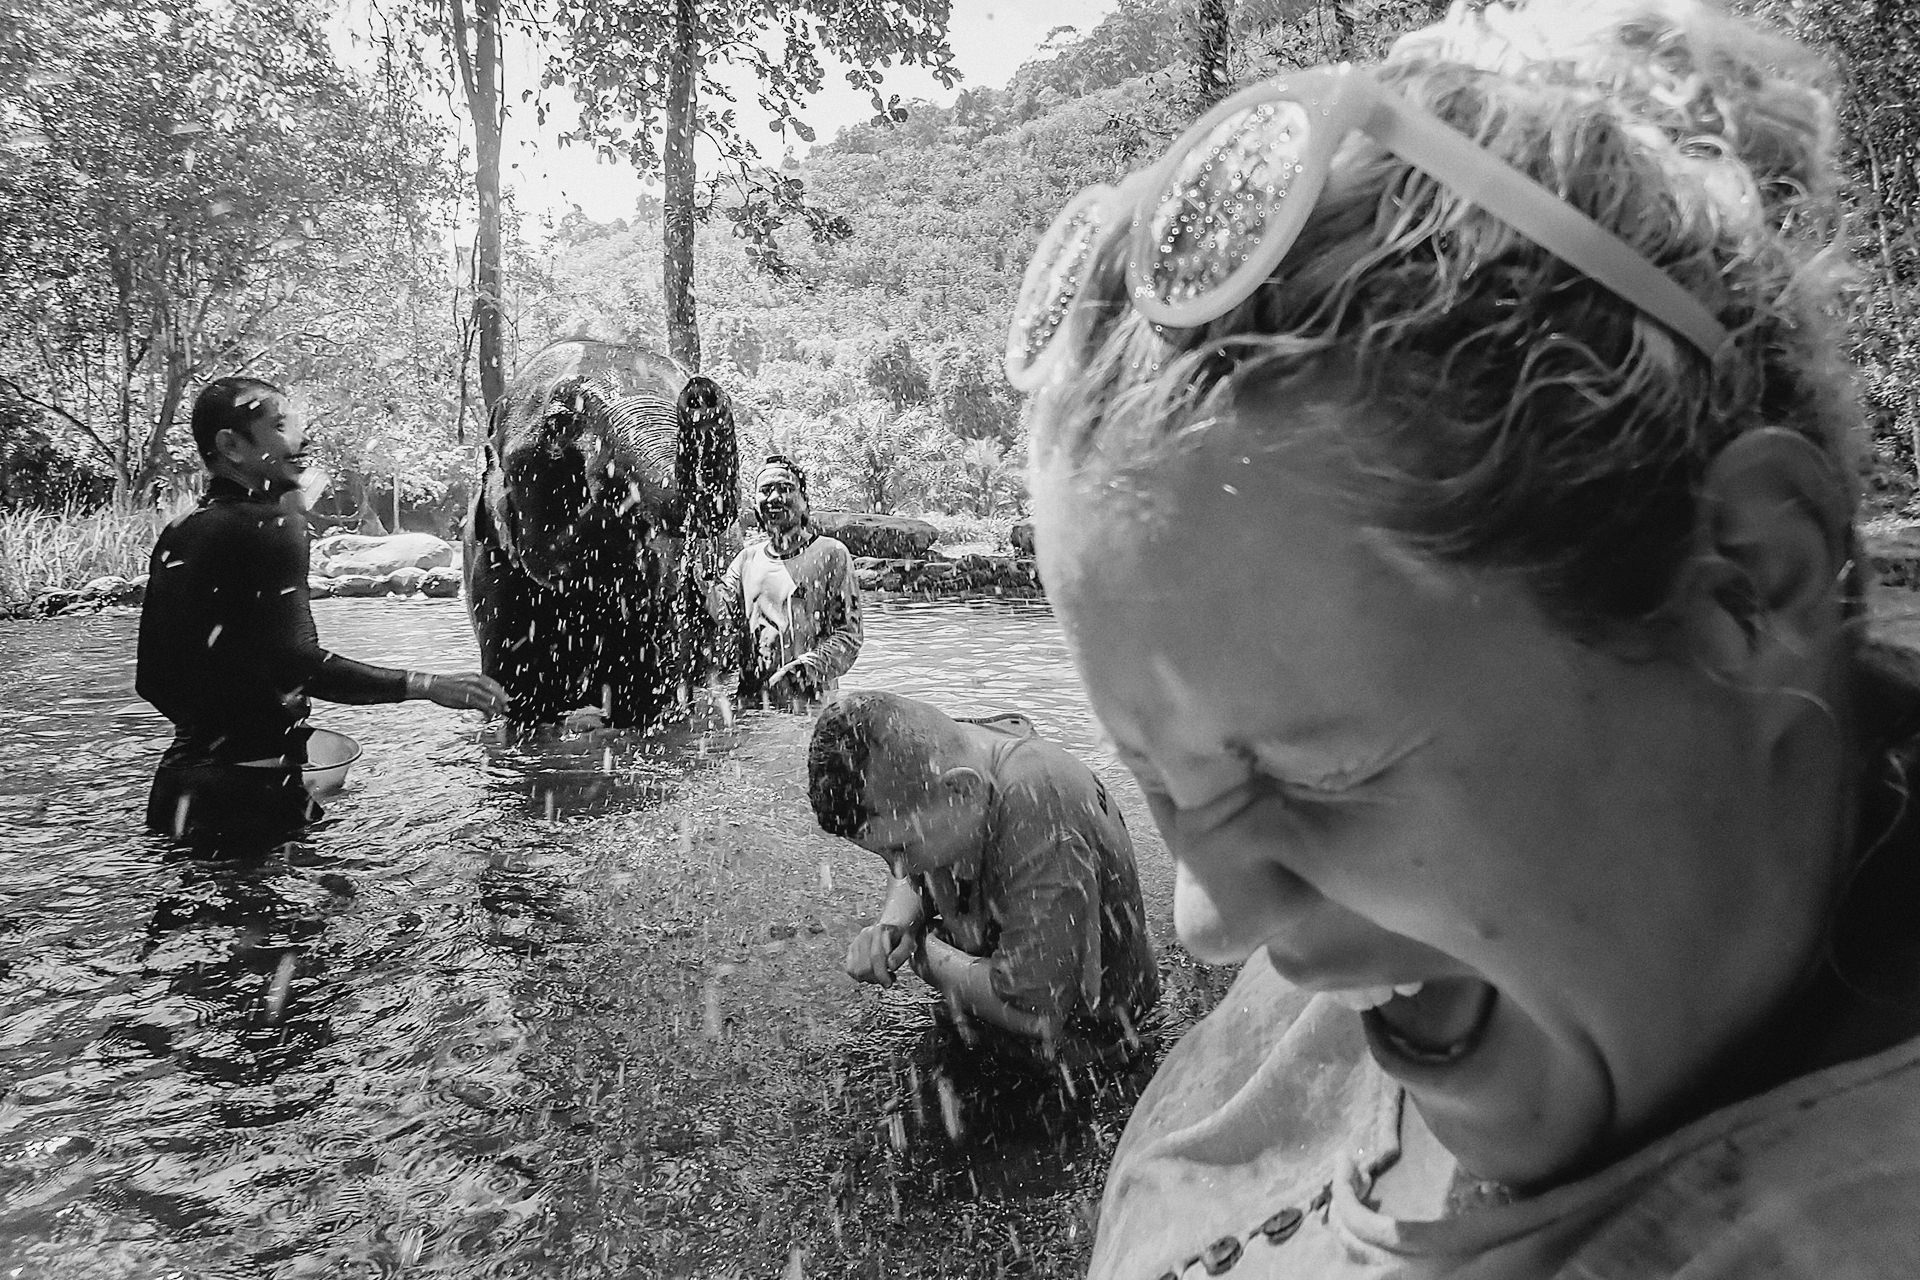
22	394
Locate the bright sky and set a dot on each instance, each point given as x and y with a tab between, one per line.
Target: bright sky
990	39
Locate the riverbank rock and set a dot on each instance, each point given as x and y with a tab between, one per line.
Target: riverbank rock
355	555
936	575
406	581
114	589
319	588
359	585
54	600
440	584
867	534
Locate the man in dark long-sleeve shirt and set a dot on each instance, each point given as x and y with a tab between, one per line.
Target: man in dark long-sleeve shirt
228	650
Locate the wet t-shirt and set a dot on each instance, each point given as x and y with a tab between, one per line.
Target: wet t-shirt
802	607
228	649
1056	906
1255	1147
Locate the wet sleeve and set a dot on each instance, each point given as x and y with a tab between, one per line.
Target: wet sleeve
1047	961
839	632
286	621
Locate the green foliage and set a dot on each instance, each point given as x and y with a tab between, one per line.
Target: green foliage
897	374
68	548
176	176
1875	49
646	77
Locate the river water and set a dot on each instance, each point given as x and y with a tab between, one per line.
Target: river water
564	1008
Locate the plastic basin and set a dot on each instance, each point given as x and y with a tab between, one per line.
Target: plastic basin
329	756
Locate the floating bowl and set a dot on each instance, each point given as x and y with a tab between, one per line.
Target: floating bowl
329	756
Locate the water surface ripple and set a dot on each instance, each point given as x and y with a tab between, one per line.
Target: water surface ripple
570	1007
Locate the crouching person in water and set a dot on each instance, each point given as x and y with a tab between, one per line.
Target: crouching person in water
1014	891
228	650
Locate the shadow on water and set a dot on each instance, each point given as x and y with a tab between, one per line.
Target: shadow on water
562	1006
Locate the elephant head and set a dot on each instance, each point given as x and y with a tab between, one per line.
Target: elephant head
603	458
612	480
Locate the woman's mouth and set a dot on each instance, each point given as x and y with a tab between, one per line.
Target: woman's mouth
1434	1024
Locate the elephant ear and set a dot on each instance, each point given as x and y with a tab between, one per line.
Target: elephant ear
706	468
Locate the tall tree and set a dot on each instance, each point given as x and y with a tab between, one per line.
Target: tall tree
186	170
459	46
478	53
647	77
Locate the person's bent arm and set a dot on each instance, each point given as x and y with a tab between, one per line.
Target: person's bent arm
966	983
839	633
879	950
840	630
1046	961
287	618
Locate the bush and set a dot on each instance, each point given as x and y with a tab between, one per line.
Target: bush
68	549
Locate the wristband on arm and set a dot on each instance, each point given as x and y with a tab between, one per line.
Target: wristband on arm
418	682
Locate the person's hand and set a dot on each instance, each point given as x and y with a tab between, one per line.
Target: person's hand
878	951
467	691
793	681
584	720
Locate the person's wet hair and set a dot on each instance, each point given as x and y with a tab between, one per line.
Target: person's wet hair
1530	421
231	404
837	765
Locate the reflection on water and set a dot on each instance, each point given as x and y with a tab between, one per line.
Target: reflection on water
554	1007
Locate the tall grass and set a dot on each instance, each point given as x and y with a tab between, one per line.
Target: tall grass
40	550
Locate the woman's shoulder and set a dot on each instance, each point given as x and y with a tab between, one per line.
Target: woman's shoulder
1252	1111
1817	1178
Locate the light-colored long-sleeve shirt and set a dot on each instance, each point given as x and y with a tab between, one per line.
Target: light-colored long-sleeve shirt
804	607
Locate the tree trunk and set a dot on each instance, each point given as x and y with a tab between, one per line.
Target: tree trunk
155	461
683	331
485	84
1208	41
366	518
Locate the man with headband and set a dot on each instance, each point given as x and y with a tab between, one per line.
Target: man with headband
791	599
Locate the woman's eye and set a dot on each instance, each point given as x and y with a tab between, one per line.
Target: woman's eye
1230	804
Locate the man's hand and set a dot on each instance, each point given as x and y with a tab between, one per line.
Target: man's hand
466	691
793	681
878	951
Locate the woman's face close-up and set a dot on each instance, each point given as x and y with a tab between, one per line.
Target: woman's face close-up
1541	868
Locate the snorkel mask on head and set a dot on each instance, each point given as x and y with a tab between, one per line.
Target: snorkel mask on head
1198	247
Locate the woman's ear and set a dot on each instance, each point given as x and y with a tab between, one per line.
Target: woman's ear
1762	590
962	782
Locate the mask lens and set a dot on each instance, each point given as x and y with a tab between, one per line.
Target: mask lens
1216	204
1053	279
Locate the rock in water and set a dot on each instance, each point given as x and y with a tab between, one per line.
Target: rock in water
345	554
440	584
406	581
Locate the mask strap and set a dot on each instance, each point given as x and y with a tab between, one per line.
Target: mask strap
1458	163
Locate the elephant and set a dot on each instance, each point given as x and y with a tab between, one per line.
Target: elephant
610	488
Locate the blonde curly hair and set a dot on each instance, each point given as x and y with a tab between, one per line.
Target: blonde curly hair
1535	423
